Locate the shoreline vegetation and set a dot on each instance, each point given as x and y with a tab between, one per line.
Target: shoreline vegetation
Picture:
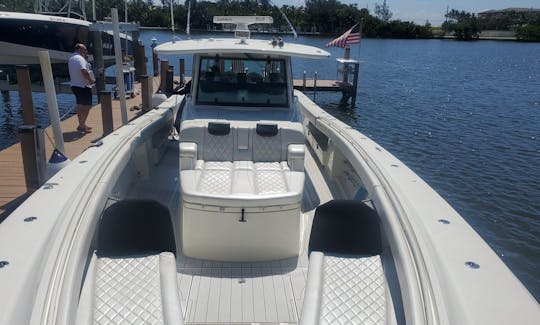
489	35
317	17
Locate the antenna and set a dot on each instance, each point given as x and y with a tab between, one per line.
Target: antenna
172	17
188	18
288	22
242	23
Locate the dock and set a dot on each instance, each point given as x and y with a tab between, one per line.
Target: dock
13	185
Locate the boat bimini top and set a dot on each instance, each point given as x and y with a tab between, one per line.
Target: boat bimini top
241	44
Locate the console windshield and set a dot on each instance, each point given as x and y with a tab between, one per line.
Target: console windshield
242	82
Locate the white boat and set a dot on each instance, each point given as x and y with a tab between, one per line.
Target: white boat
267	210
24	35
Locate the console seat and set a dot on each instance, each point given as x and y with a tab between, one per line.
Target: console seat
238	179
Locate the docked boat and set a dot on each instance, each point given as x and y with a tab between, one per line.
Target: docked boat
266	209
24	35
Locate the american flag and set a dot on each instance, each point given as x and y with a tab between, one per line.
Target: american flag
346	39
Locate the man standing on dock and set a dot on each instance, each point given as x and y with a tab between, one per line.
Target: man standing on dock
81	84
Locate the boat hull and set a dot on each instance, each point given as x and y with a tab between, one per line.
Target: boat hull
24	35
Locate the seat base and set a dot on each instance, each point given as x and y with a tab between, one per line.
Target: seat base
228	234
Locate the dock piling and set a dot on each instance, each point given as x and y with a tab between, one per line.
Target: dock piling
355	83
182	71
106	112
25	94
146	92
99	65
169	82
315	85
33	156
143	71
163	74
155	63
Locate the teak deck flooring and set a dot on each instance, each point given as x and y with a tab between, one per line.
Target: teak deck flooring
12	182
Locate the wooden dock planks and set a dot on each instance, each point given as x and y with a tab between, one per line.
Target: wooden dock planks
12	181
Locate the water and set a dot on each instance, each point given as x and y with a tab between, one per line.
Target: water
464	116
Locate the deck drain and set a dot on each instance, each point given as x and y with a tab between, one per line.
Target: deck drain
444	221
3	264
30	219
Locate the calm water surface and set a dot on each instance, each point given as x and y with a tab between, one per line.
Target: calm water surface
464	116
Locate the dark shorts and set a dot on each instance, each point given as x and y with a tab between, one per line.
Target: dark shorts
83	95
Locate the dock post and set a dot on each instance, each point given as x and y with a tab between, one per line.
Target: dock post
182	71
143	71
304	81
347	53
99	65
136	54
154	57
25	94
315	85
146	92
163	73
355	83
106	111
33	155
169	83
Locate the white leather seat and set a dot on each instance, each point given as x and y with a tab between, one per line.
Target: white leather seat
139	289
241	185
344	289
269	170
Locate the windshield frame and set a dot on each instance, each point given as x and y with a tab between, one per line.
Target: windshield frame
233	80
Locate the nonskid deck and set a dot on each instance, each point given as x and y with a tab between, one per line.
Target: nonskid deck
259	292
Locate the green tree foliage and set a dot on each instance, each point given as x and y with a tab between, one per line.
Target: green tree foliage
529	33
322	16
383	12
463	24
17	5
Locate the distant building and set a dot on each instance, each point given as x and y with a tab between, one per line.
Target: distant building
509	18
507	11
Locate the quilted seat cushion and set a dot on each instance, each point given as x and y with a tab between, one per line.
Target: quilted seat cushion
241	184
137	289
344	289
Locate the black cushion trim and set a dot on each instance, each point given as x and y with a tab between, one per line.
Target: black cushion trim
346	227
135	226
219	128
267	130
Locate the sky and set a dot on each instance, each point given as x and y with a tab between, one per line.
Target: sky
433	10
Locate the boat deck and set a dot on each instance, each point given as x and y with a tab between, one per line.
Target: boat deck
214	292
234	292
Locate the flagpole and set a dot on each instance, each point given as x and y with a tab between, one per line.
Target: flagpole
360	44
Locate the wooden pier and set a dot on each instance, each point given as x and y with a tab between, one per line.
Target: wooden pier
13	185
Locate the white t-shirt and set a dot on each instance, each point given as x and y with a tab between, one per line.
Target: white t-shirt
75	64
